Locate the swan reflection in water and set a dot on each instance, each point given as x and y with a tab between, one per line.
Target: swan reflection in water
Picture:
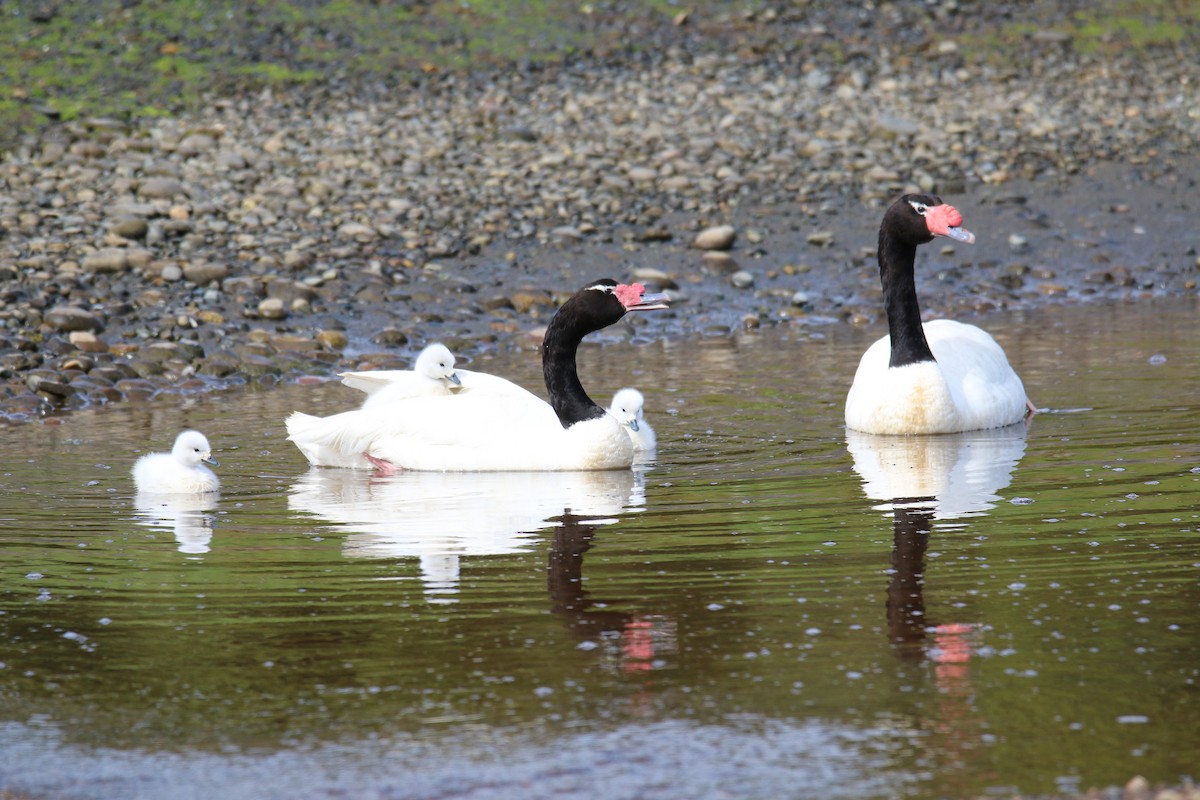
185	515
631	643
928	479
442	517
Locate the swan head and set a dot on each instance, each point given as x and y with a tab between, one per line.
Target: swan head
628	406
436	362
918	218
603	302
192	448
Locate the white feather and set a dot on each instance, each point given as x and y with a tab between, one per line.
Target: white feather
180	471
970	387
462	433
628	406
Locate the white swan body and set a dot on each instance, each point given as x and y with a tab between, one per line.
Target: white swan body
181	471
492	431
937	377
628	406
467	433
969	387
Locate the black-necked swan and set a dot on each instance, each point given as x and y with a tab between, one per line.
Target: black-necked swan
433	373
486	431
940	377
180	471
628	406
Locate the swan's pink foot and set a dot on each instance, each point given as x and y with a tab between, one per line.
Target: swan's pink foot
1032	409
384	466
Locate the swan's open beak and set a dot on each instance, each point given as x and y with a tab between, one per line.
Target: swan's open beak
960	234
650	302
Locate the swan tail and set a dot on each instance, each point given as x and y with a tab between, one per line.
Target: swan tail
325	441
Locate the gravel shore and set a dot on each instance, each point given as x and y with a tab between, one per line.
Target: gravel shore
264	238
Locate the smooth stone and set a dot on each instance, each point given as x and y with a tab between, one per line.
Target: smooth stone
205	272
160	187
73	318
334	340
130	228
719	237
390	337
110	260
272	308
741	279
716	262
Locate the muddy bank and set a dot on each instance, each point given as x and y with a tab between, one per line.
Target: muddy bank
268	237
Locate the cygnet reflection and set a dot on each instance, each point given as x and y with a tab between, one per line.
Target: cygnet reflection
441	518
184	515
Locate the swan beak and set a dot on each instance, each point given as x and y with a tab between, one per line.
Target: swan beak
633	426
454	379
208	459
651	301
960	234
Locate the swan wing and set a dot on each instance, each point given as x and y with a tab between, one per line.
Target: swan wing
984	386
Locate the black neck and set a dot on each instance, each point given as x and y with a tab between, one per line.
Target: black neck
570	402
896	260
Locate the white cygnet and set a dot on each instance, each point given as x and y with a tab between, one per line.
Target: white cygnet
181	471
628	407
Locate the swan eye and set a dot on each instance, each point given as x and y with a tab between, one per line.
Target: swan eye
919	207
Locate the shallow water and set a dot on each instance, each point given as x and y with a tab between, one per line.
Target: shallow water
750	615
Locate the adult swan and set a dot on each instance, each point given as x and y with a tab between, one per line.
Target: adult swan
486	431
940	377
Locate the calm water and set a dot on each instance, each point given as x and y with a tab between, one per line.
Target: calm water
751	616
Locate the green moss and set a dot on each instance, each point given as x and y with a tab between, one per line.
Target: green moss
1108	27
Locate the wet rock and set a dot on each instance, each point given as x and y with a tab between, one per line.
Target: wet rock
334	340
272	308
160	188
526	301
717	262
72	318
130	228
88	342
741	279
390	337
107	261
719	237
203	273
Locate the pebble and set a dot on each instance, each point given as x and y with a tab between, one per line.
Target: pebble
72	318
272	308
741	279
719	237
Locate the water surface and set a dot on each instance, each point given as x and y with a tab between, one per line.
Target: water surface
769	609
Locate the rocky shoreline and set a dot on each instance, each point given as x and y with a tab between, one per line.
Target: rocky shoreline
269	237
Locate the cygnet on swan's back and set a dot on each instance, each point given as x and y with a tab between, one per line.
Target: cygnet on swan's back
180	471
432	374
628	406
